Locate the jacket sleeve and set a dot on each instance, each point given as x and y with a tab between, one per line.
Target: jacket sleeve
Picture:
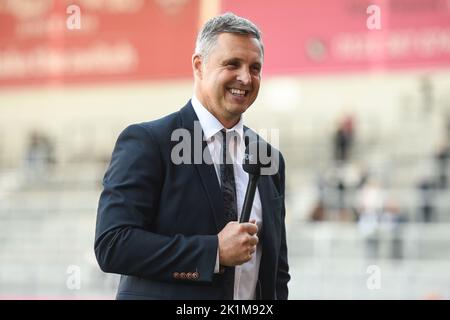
283	276
124	242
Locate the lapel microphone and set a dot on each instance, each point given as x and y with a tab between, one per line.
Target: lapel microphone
258	155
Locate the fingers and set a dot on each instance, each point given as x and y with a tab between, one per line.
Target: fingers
237	243
250	253
253	240
250	228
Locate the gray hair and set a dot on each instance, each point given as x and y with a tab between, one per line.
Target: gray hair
225	23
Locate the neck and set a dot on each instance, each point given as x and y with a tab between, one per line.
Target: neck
229	124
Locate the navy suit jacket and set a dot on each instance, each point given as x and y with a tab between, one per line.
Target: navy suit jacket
157	222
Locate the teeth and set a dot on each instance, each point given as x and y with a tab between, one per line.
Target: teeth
237	91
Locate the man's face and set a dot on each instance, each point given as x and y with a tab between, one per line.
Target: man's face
228	82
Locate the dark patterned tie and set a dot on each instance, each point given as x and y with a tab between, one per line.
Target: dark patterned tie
227	178
229	202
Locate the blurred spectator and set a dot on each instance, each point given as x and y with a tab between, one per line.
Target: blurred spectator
441	157
39	157
370	208
343	139
392	219
427	189
318	212
332	199
336	188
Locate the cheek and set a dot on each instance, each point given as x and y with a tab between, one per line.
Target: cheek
256	84
214	88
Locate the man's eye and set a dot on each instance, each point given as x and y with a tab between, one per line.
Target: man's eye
232	65
256	69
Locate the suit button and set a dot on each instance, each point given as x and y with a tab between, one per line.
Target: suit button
195	276
182	275
176	275
189	276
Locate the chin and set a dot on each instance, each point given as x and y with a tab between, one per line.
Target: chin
238	110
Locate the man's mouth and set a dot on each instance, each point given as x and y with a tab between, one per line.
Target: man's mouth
238	92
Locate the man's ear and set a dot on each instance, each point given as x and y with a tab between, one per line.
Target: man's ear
197	64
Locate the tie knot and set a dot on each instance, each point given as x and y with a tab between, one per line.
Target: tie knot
227	136
227	133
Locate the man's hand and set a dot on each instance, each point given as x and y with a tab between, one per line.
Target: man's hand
237	243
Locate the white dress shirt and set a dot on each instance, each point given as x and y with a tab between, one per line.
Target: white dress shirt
246	275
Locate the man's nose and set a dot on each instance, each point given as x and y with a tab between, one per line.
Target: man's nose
244	76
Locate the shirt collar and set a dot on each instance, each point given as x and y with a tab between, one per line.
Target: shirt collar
209	123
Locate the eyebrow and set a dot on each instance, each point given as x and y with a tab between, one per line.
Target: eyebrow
235	60
231	60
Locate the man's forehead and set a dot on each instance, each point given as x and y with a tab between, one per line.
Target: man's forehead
225	37
239	45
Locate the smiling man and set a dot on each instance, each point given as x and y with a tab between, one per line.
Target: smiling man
172	229
227	78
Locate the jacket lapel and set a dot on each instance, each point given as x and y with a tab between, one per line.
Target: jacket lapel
205	169
212	188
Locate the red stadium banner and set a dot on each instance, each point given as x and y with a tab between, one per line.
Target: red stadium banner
310	36
61	41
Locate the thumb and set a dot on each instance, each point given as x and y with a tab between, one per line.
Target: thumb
253	221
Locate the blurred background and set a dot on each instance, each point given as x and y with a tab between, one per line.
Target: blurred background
359	91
